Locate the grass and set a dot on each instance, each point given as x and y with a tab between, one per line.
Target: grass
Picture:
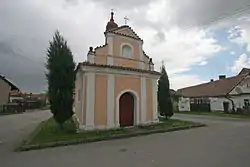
215	113
48	131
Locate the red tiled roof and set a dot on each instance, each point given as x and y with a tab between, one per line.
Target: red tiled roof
145	54
214	88
101	46
118	68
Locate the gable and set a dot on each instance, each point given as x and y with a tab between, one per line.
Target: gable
128	32
4	85
244	71
242	87
12	86
125	31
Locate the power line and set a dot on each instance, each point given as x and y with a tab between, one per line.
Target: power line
237	12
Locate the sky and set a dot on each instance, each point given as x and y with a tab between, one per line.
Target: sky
197	40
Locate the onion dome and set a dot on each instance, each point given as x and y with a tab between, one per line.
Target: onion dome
111	24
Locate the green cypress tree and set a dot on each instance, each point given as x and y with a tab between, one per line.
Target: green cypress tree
61	78
165	104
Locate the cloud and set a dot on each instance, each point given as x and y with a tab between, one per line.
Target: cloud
202	13
128	4
232	53
243	61
240	35
203	63
182	81
25	34
182	49
29	25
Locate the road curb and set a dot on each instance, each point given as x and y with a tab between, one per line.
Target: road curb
96	139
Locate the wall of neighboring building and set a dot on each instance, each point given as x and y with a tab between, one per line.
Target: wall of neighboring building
239	100
241	93
242	87
216	103
184	104
4	92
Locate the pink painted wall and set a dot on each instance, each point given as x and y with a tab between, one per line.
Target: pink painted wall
100	117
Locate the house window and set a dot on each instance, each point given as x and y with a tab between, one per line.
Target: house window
126	51
246	102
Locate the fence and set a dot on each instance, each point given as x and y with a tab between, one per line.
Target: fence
11	108
20	106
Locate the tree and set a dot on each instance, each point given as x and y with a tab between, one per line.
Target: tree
165	104
61	78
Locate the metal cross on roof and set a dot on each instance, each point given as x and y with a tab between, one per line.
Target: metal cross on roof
126	19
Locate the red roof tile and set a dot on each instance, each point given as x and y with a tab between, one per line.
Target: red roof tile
214	88
101	46
119	68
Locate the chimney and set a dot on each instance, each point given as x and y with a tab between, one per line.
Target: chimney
222	76
211	80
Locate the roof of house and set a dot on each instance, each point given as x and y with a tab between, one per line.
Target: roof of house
244	71
13	86
219	87
118	68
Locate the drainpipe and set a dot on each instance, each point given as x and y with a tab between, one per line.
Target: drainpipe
233	106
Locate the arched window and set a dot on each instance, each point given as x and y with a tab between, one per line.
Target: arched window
126	51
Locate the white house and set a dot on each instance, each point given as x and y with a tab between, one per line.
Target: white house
219	95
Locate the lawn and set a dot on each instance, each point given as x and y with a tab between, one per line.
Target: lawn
48	131
215	113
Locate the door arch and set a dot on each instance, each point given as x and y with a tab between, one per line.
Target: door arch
126	109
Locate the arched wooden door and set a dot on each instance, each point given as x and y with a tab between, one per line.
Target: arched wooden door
126	110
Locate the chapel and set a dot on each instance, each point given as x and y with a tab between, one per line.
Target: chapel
117	85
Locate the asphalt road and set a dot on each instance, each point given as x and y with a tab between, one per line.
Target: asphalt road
225	142
14	128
